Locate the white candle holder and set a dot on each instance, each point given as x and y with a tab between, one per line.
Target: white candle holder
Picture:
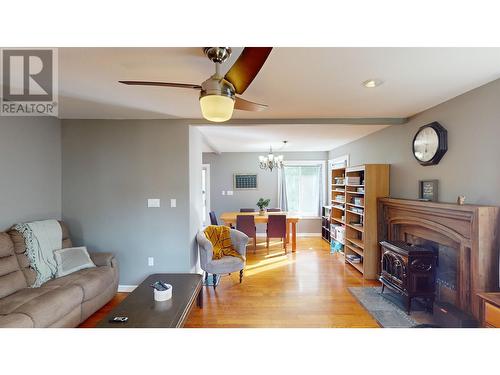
163	295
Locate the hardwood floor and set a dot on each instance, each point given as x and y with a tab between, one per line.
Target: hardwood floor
307	288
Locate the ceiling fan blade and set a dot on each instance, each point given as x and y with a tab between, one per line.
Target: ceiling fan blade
246	105
164	84
247	67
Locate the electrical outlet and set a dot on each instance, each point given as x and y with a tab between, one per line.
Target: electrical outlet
173	202
229	192
151	261
223	192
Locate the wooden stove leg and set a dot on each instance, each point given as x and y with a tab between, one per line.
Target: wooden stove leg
214	280
383	287
431	305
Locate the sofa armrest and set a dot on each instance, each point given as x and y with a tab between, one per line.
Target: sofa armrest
103	259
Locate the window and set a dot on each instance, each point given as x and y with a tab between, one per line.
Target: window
302	188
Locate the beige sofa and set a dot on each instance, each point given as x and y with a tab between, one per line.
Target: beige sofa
62	302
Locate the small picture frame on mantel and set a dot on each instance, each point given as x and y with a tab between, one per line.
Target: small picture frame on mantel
428	190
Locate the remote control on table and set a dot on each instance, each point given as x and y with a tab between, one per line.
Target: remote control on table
119	319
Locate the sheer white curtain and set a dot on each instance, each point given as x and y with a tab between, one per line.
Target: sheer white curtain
302	187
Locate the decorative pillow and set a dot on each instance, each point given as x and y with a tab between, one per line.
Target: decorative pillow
72	259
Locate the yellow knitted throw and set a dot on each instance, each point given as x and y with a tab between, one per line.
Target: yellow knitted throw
220	237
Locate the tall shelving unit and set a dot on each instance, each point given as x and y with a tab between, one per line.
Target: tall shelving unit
337	202
325	223
354	206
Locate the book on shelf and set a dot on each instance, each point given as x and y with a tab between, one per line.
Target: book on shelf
358	201
353	258
353	180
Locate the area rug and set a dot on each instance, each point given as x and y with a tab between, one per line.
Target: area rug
387	308
210	280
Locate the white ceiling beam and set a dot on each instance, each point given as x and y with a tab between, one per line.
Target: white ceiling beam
209	144
306	121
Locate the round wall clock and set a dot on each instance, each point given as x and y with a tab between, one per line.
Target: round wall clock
430	144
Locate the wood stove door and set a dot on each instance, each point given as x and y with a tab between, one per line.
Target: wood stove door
394	269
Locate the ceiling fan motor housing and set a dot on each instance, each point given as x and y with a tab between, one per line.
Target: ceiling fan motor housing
217	86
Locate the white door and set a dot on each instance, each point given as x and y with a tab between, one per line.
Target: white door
205	192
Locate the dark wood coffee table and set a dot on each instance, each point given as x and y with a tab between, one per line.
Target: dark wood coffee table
144	312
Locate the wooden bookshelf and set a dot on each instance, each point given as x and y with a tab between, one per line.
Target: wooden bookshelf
337	201
360	187
325	223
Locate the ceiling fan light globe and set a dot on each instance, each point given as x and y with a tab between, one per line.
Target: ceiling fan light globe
217	108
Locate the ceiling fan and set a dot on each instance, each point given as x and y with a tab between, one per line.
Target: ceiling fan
218	93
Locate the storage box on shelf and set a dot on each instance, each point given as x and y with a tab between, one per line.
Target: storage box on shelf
356	213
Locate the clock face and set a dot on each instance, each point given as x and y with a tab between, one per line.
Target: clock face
426	144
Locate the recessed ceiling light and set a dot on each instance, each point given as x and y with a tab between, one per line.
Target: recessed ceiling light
371	83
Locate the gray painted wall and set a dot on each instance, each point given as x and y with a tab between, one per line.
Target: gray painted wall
30	166
224	165
110	168
470	167
195	194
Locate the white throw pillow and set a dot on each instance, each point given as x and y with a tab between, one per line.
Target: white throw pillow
72	259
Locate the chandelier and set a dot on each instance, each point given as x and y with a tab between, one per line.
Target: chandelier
270	161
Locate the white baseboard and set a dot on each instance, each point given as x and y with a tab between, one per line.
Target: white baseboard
126	288
298	234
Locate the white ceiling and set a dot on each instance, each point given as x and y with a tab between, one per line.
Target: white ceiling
294	82
253	138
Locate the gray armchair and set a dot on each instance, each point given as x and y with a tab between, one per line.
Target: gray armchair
226	264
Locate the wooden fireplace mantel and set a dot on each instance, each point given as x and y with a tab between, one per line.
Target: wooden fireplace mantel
471	229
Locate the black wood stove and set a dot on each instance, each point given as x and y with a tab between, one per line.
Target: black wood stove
409	270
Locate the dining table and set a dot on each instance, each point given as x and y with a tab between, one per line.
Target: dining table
229	219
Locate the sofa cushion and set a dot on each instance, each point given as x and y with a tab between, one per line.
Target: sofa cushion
6	245
20	250
11	276
44	305
10	303
15	321
92	281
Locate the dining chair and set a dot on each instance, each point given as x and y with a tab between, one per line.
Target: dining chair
247	209
213	218
274	210
246	224
276	228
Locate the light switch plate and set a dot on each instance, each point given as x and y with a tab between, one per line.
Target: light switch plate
173	202
151	261
223	192
229	192
153	203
